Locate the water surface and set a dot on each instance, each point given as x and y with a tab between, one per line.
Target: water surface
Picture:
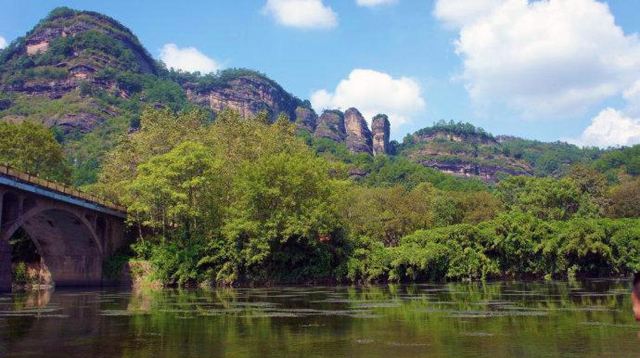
588	319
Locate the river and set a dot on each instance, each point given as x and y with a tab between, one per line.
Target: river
495	319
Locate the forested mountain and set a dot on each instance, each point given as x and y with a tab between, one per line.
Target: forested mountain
463	149
88	78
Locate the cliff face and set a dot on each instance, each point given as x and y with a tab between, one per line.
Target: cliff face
67	48
352	129
69	56
331	126
381	129
248	94
359	138
462	150
306	118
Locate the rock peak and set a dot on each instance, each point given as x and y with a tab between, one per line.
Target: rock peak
359	138
381	129
306	118
331	126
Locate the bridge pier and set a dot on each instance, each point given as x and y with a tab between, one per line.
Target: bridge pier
5	266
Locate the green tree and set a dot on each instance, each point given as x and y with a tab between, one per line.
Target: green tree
592	183
625	199
32	148
387	214
546	198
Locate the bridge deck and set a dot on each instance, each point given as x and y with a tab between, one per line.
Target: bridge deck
31	183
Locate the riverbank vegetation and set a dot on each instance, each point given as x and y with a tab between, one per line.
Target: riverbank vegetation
244	201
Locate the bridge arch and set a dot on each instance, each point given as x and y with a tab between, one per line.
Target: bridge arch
72	232
65	238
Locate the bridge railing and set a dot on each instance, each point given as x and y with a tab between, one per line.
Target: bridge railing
60	188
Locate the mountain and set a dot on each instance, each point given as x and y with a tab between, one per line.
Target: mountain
465	150
462	149
67	55
88	78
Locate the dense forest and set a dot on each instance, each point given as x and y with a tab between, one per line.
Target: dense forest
243	201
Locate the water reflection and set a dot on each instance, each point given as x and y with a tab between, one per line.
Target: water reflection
590	319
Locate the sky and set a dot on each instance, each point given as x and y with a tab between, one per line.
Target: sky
541	69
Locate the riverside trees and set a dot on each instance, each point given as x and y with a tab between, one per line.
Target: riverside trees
245	201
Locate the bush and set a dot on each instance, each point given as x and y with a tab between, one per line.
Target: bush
113	265
20	275
514	245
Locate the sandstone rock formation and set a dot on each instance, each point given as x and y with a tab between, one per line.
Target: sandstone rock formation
249	94
306	118
358	133
331	126
381	129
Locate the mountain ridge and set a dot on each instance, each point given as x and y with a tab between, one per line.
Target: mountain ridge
88	77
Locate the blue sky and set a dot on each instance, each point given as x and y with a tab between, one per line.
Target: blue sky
545	69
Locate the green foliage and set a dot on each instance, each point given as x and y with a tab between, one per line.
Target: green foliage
45	72
166	93
477	147
19	274
625	160
455	128
222	208
240	201
387	214
59	12
548	158
625	199
546	198
33	149
283	209
511	246
244	201
113	265
392	170
209	81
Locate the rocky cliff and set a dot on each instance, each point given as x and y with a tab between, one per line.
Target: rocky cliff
331	126
306	118
351	129
463	150
381	129
250	93
359	138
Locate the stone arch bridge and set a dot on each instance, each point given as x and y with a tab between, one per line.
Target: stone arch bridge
72	231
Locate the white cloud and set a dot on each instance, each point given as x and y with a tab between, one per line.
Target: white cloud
305	14
373	3
3	42
187	59
632	95
374	92
610	128
457	13
543	57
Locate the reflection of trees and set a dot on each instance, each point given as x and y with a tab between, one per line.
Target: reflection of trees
32	298
488	319
440	316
